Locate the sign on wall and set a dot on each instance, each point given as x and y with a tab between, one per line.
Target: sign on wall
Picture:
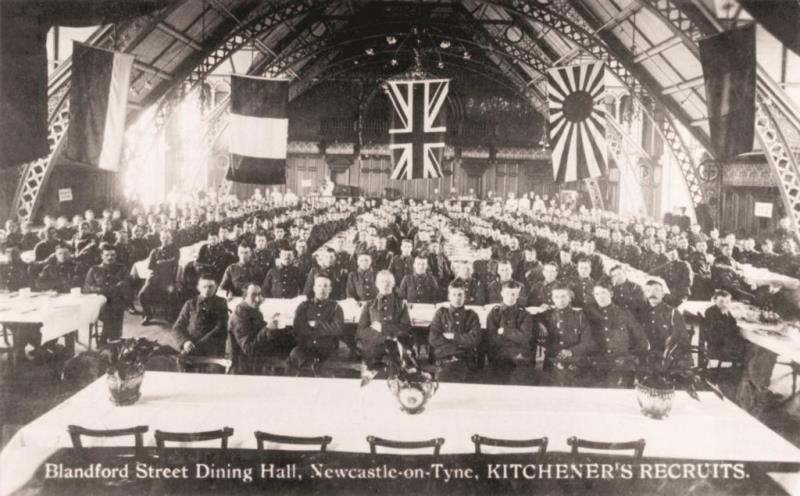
763	209
65	194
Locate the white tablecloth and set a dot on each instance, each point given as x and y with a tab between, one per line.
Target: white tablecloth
763	277
710	429
773	337
58	314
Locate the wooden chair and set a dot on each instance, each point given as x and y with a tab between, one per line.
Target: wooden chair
539	443
435	443
76	432
262	437
204	365
163	437
636	446
95	331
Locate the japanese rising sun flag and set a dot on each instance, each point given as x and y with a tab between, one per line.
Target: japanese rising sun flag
577	121
418	127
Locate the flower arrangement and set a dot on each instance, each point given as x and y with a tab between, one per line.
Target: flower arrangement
124	361
660	374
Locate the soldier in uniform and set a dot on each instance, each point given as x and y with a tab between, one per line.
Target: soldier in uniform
262	256
361	283
583	285
619	340
598	270
318	325
438	264
109	279
282	279
632	253
202	324
540	293
662	322
381	257
327	268
384	321
627	294
517	258
510	342
566	268
531	267
61	273
302	258
505	273
160	285
419	286
238	275
250	338
455	335
567	340
403	264
678	276
699	261
474	288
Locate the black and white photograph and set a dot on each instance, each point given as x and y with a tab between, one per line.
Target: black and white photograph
400	247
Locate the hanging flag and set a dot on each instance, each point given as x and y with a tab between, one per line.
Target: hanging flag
259	130
98	105
577	121
418	127
779	17
729	68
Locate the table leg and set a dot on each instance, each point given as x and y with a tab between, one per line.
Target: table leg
69	342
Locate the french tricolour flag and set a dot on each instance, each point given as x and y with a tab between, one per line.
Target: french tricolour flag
259	130
98	105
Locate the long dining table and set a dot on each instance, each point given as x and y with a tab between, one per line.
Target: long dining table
705	430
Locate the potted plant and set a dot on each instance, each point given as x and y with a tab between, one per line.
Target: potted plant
661	373
124	361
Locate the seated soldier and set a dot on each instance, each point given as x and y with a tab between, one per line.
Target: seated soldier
282	279
510	341
14	275
662	321
474	289
202	325
568	338
505	273
161	284
62	273
250	339
213	258
678	276
628	294
619	340
329	269
531	267
242	273
384	321
726	274
361	283
583	284
262	256
419	286
439	265
403	264
540	293
753	365
318	325
109	279
455	335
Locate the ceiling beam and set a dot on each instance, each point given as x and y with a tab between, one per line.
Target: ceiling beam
657	48
166	28
685	85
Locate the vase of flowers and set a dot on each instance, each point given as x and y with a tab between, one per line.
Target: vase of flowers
662	373
124	360
407	380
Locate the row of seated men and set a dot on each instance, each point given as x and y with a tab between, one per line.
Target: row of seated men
695	277
599	345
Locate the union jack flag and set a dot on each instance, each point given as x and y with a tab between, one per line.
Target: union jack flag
418	127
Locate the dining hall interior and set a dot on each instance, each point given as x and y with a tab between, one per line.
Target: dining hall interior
420	246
